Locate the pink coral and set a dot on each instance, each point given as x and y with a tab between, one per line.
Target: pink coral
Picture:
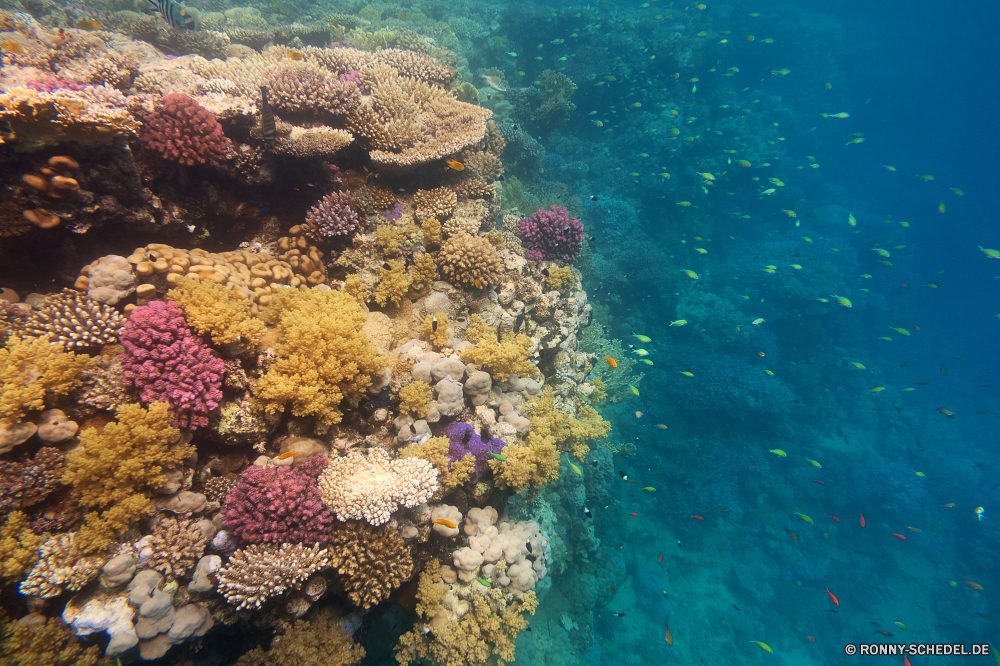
183	131
335	215
551	234
278	505
166	362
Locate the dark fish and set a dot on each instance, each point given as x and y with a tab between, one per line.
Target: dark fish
944	371
883	632
619	614
545	272
484	434
519	322
466	436
266	116
623	475
587	512
386	266
593	197
531	558
172	13
527	544
736	607
434	323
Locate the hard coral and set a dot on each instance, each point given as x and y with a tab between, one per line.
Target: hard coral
439	202
18	547
183	131
470	261
74	321
323	355
24	484
45	642
61	567
393	284
463	440
371	561
114	469
310	90
450	473
335	215
32	371
255	573
551	234
177	545
372	488
165	362
276	505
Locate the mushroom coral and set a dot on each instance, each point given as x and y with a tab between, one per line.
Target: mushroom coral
114	469
323	356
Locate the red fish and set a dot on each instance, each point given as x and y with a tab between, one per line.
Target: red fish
812	639
832	598
822	483
661	558
898	536
697	517
835	519
862	520
906	662
633	514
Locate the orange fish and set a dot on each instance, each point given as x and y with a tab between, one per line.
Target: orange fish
697	517
633	514
661	558
286	454
974	586
832	598
812	639
862	520
447	523
795	537
898	536
667	636
456	165
835	519
822	483
612	362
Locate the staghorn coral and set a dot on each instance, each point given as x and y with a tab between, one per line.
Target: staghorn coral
45	642
18	547
32	371
181	130
318	641
371	561
414	398
451	473
257	572
277	505
439	202
113	470
165	362
92	115
511	354
372	487
177	545
211	309
322	354
335	215
470	261
24	484
551	234
74	320
393	284
61	567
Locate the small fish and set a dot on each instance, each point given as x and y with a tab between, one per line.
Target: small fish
859	366
285	455
483	582
634	390
948	505
686	373
974	586
495	82
889	167
576	469
980	512
901	331
836	520
612	362
456	165
172	13
642	338
295	55
736	607
499	456
812	639
842	301
778	452
925	177
647	361
640	352
758	321
633	514
851	220
832	598
883	632
859	139
88	25
942	208
921	475
638	415
795	537
841	115
989	252
898	535
862	520
649	489
267	127
679	322
447	523
803	517
691	274
619	614
763	646
877	389
587	512
947	412
815	463
661	426
623	475
822	483
696	518
12	47
667	636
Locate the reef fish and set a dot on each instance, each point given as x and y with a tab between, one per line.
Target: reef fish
862	520
612	362
832	597
763	646
499	456
778	452
974	586
898	535
267	128
172	13
576	469
642	338
456	165
667	636
495	82
447	523
803	517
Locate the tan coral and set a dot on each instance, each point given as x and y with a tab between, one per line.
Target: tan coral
371	561
61	567
177	545
468	260
258	572
439	202
94	115
74	321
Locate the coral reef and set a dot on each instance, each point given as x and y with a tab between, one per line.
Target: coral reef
25	484
393	285
61	567
74	321
181	130
551	234
463	440
32	371
211	309
451	473
177	546
501	357
39	641
258	572
18	547
314	642
371	561
335	215
414	398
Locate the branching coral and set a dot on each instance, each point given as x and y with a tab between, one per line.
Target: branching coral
323	356
46	642
389	237
424	268
451	473
113	470
258	572
183	131
510	355
74	320
551	234
18	547
372	487
165	362
32	371
432	235
24	484
439	202
568	433
177	545
335	215
393	284
211	309
372	561
532	464
414	398
315	642
309	90
470	261
61	567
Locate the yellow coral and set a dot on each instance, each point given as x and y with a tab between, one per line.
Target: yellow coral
510	355
435	451
113	470
210	308
389	238
424	269
414	398
432	233
532	464
33	370
48	643
439	337
560	279
18	546
393	284
323	356
568	433
315	642
355	286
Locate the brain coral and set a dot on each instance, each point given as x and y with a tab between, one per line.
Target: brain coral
183	131
469	259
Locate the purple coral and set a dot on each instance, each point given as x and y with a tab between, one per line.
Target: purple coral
551	234
464	439
166	362
394	214
335	215
278	505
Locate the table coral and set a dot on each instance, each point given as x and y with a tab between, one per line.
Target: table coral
183	131
277	505
165	362
372	487
258	572
314	642
372	562
114	469
322	355
470	261
32	371
211	309
92	115
551	234
451	473
74	320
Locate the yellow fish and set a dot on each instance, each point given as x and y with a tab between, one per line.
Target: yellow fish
575	469
701	250
767	40
851	220
778	452
842	301
803	517
859	139
882	252
686	373
743	163
769	373
679	322
691	274
941	207
707	176
635	391
456	165
921	475
957	191
758	321
807	239
797	267
889	167
901	331
789	213
867	276
815	463
859	366
763	646
877	389
769	190
683	204
642	352
886	338
926	176
649	489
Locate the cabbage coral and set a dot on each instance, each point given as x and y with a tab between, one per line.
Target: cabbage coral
323	356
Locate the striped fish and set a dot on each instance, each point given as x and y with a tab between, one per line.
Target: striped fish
172	13
266	118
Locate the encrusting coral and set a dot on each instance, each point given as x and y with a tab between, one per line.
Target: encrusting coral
211	309
499	357
322	355
318	641
470	261
371	561
114	469
32	371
